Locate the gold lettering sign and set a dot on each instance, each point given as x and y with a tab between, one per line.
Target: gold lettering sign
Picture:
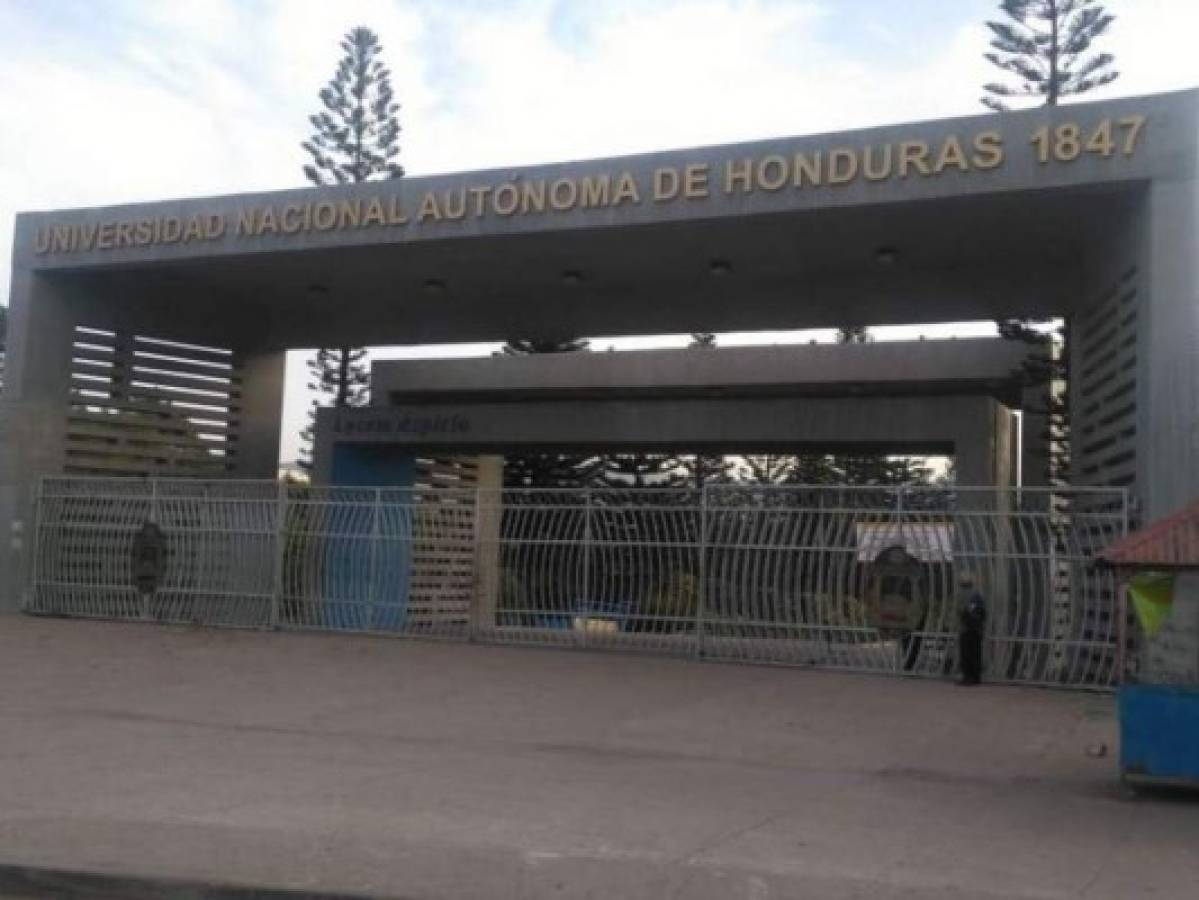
839	168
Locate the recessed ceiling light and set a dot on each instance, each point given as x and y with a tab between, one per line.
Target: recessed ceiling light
886	255
720	267
571	276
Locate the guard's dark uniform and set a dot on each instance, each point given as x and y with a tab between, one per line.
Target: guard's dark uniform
973	615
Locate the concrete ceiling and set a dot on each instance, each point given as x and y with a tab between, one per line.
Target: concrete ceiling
954	259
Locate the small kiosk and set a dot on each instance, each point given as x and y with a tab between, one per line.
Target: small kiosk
1159	692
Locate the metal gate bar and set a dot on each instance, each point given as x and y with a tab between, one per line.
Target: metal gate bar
812	576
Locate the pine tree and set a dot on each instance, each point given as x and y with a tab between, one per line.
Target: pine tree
526	346
1047	366
702	469
767	468
879	469
1046	44
854	334
642	470
356	135
355	139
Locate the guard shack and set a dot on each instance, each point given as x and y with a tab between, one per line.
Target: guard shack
1159	698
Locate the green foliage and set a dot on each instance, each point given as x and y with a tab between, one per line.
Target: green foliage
356	135
1048	367
704	468
642	470
702	340
525	346
1046	45
341	378
833	468
672	606
550	470
355	139
854	334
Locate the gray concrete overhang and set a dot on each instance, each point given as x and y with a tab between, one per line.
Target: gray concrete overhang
989	239
974	429
972	366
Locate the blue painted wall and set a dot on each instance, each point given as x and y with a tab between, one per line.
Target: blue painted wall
369	562
1159	732
357	465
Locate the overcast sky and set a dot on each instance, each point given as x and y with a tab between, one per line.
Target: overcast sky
111	101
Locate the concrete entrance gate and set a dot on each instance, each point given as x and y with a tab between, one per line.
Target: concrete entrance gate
920	397
151	338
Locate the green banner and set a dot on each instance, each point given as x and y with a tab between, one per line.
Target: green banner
1152	597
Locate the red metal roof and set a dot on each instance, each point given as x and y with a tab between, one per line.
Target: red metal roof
1169	543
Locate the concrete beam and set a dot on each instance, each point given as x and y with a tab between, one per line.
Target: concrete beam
954	366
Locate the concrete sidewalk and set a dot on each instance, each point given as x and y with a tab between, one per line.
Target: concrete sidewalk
399	768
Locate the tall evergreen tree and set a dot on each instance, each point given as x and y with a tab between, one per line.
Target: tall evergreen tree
642	470
1047	366
526	346
355	139
854	334
1047	45
769	468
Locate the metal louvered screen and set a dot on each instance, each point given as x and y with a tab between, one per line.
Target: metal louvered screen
1104	418
837	577
145	406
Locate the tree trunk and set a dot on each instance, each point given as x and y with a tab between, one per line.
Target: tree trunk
343	378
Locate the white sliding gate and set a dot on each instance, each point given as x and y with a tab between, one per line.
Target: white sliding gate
861	578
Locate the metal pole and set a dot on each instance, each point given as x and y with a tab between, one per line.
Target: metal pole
371	598
1121	629
153	517
477	588
280	549
588	538
28	596
702	587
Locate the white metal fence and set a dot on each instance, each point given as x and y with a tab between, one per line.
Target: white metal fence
841	577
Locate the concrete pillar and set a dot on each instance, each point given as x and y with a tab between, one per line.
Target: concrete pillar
1168	351
261	414
487	544
37	376
983	450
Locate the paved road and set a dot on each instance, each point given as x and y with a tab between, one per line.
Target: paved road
433	770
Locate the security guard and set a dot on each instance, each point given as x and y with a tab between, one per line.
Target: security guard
972	615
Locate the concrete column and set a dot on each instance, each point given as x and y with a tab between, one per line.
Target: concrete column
983	451
487	544
42	315
261	414
1168	351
